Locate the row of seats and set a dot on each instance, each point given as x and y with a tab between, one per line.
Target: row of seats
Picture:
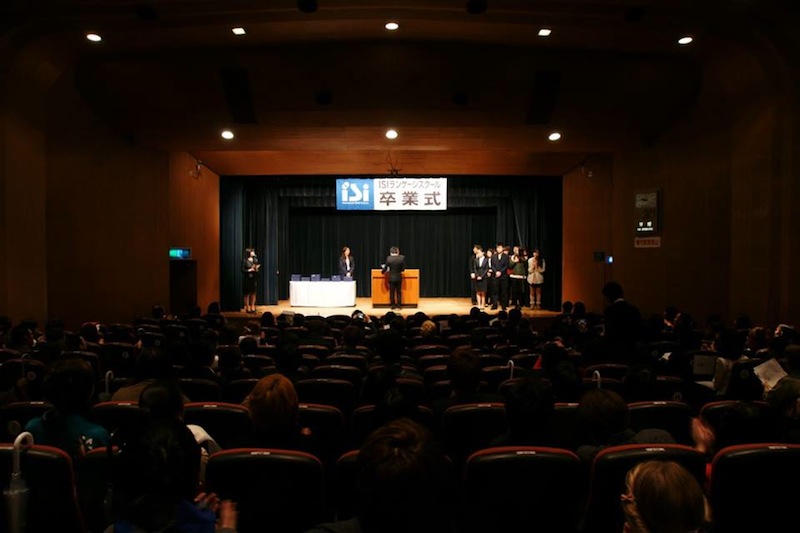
501	489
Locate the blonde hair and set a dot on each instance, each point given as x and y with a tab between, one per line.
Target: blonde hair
663	497
428	328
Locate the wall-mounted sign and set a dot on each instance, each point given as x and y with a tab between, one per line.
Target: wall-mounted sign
646	206
392	194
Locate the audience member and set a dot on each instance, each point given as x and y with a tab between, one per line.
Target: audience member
274	409
622	325
69	386
603	421
664	497
156	483
405	484
151	364
529	407
464	372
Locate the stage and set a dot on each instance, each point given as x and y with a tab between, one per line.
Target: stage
430	306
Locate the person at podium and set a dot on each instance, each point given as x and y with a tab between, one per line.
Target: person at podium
395	265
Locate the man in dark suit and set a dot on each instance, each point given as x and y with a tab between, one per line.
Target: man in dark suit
500	264
395	265
472	282
622	323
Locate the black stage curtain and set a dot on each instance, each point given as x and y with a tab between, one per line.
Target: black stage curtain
293	224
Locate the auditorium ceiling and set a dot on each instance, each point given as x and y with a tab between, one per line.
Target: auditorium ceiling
325	84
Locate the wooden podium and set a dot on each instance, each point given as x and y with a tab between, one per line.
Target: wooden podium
409	288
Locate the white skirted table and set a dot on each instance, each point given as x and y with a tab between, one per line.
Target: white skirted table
322	293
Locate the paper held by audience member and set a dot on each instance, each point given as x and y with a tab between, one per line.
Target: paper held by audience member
770	372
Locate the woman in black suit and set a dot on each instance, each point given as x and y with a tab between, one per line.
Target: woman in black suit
249	270
481	271
346	264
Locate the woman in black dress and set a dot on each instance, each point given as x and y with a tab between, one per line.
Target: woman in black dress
250	268
481	270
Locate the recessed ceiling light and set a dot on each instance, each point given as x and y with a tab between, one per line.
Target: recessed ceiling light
554	136
391	134
391	26
94	37
238	31
545	32
227	134
685	40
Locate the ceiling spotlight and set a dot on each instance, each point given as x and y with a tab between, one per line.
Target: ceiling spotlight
685	40
476	7
545	32
238	31
94	37
391	134
391	26
554	136
227	135
307	6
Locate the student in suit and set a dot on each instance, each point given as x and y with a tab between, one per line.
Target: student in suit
395	265
500	264
472	284
347	264
479	273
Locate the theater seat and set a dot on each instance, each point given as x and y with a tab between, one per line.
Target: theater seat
228	424
753	487
521	488
14	417
469	427
52	503
275	490
607	479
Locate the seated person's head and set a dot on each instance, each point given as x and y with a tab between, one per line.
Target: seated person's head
157	467
273	406
529	406
247	346
162	400
601	414
663	497
464	370
744	423
153	363
214	308
404	480
287	356
352	336
69	385
158	312
612	291
428	329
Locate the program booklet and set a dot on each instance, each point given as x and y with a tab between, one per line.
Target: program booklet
770	372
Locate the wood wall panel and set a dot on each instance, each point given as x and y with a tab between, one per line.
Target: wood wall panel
107	217
586	229
194	220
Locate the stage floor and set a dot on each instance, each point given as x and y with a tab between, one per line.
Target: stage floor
429	306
